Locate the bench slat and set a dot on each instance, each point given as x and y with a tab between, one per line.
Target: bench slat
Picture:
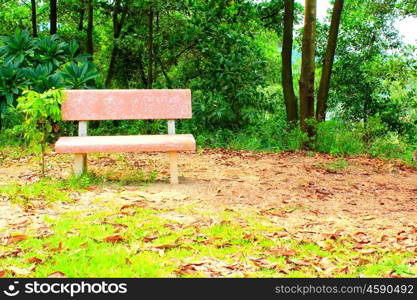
140	143
86	105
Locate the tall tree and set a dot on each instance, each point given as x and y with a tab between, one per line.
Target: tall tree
150	47
90	43
53	16
308	66
118	23
324	87
287	79
82	13
34	23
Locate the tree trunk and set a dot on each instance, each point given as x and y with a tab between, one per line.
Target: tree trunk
112	64
141	69
150	48
308	67
34	23
53	16
323	93
117	29
90	43
82	13
286	72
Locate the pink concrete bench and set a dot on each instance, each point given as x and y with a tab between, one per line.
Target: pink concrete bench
88	105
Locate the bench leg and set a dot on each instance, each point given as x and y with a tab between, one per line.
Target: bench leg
80	164
173	167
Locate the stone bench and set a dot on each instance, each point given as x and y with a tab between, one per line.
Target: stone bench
89	105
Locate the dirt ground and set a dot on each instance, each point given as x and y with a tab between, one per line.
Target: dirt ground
371	201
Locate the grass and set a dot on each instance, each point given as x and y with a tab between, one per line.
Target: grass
142	243
335	166
42	190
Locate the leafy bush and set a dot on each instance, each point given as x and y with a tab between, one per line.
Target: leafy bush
40	64
337	138
390	146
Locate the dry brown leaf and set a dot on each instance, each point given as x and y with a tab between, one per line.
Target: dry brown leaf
12	253
299	262
362	261
367	250
21	271
166	246
188	269
283	252
263	263
325	263
16	238
116	225
133	205
57	274
3	273
57	249
150	238
35	260
114	239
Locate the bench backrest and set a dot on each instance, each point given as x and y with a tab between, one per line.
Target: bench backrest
86	105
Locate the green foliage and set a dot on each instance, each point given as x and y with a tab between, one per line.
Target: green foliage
390	146
41	112
338	138
77	183
78	75
40	64
228	54
17	48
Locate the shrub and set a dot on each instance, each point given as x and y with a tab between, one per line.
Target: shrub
338	138
390	146
40	64
41	112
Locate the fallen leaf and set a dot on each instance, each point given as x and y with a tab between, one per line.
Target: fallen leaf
21	271
367	251
12	253
35	260
57	274
150	238
263	263
114	239
166	246
188	269
299	262
3	273
283	252
57	249
133	204
325	263
117	225
15	239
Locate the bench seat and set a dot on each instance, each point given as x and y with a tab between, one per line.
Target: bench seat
133	143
